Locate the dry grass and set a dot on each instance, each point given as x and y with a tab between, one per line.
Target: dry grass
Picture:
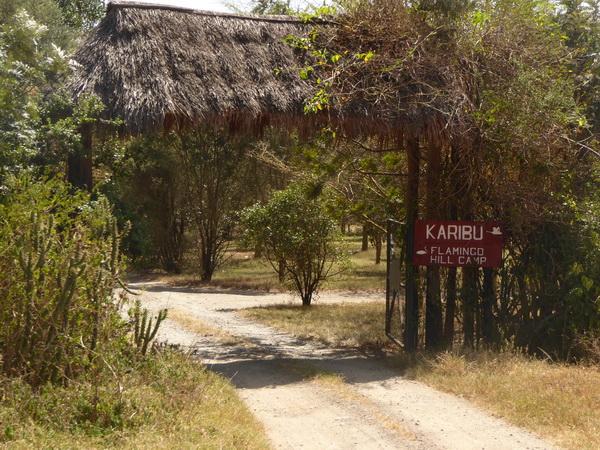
243	271
559	402
346	324
363	274
169	401
247	273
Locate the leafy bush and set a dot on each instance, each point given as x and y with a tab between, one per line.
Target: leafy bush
297	238
59	263
555	276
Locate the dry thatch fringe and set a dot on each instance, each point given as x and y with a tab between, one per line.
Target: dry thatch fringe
164	68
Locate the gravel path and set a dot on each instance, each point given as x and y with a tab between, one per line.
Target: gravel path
374	409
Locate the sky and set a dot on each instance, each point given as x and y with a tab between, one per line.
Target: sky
204	5
214	5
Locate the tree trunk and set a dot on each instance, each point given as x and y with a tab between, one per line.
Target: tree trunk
469	302
378	243
450	307
488	298
451	279
365	238
469	292
433	309
207	267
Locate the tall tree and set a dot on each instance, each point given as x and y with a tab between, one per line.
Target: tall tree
580	22
182	194
148	189
33	54
212	167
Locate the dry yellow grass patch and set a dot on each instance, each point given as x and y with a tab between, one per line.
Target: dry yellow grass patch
559	402
168	400
346	324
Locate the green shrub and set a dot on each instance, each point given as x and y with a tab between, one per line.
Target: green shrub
297	237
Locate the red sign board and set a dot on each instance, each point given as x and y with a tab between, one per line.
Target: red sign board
457	244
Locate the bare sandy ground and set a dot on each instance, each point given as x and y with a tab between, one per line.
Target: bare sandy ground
375	408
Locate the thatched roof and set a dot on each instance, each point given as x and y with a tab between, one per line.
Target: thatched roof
162	68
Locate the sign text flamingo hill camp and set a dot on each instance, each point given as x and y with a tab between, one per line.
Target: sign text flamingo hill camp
457	243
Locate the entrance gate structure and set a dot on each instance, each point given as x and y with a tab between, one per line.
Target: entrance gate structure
431	243
401	308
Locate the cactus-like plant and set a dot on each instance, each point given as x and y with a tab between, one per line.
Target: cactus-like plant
144	331
57	303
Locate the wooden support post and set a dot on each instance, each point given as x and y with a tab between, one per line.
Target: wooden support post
411	338
487	302
433	300
79	167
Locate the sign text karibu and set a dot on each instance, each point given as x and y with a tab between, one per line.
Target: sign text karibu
457	243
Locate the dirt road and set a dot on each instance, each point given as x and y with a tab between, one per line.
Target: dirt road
375	408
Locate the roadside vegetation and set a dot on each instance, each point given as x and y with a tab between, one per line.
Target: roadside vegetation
244	269
154	402
77	365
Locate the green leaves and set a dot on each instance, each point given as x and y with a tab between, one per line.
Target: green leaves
479	18
319	102
296	234
304	73
81	14
365	56
32	59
